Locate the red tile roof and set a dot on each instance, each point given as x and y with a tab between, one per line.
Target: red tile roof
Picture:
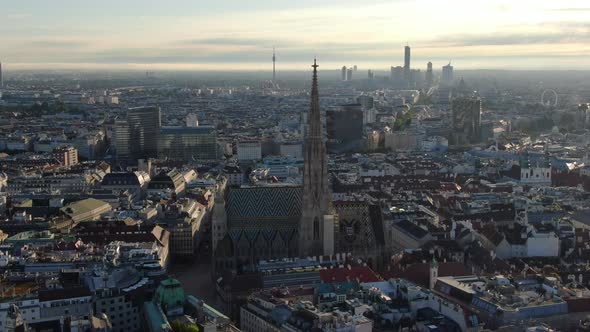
360	273
419	273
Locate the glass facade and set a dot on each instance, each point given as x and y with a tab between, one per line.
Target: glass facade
137	136
188	143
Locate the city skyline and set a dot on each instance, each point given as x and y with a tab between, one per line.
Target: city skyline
185	35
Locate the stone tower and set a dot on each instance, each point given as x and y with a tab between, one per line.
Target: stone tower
316	225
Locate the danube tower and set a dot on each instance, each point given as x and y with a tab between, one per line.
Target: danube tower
274	60
316	229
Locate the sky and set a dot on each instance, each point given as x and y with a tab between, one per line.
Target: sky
240	34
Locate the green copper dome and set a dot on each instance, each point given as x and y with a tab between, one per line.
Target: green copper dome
170	294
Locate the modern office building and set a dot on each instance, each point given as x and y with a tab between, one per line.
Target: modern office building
367	102
349	74
188	143
249	150
397	75
447	75
136	137
466	118
344	73
344	126
293	149
407	73
429	75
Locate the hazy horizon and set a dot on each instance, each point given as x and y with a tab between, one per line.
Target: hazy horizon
239	35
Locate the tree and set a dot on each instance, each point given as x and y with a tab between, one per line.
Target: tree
178	326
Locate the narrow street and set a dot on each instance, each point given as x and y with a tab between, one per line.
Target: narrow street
195	275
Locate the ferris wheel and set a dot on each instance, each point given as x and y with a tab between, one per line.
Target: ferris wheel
549	97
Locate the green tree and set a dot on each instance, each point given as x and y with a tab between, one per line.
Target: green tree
178	326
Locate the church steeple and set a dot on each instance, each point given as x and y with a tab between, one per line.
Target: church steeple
314	120
316	196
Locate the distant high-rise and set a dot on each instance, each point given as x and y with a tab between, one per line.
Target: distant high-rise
136	136
314	231
354	67
429	75
397	75
447	75
349	74
370	74
466	120
274	59
344	73
1	77
407	74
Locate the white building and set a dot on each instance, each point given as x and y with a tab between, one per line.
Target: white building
292	149
403	140
249	151
192	120
535	174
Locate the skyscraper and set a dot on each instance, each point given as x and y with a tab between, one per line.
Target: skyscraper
407	74
466	118
136	137
344	73
429	76
397	75
349	74
1	77
313	233
447	75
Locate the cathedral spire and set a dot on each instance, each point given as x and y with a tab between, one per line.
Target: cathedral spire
314	119
316	196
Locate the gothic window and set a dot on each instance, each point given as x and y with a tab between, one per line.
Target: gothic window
316	229
357	228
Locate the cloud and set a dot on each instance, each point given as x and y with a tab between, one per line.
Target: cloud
573	9
58	43
17	16
556	34
232	41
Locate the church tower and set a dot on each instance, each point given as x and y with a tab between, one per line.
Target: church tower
316	234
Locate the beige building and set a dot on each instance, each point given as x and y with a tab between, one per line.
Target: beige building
66	155
86	210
